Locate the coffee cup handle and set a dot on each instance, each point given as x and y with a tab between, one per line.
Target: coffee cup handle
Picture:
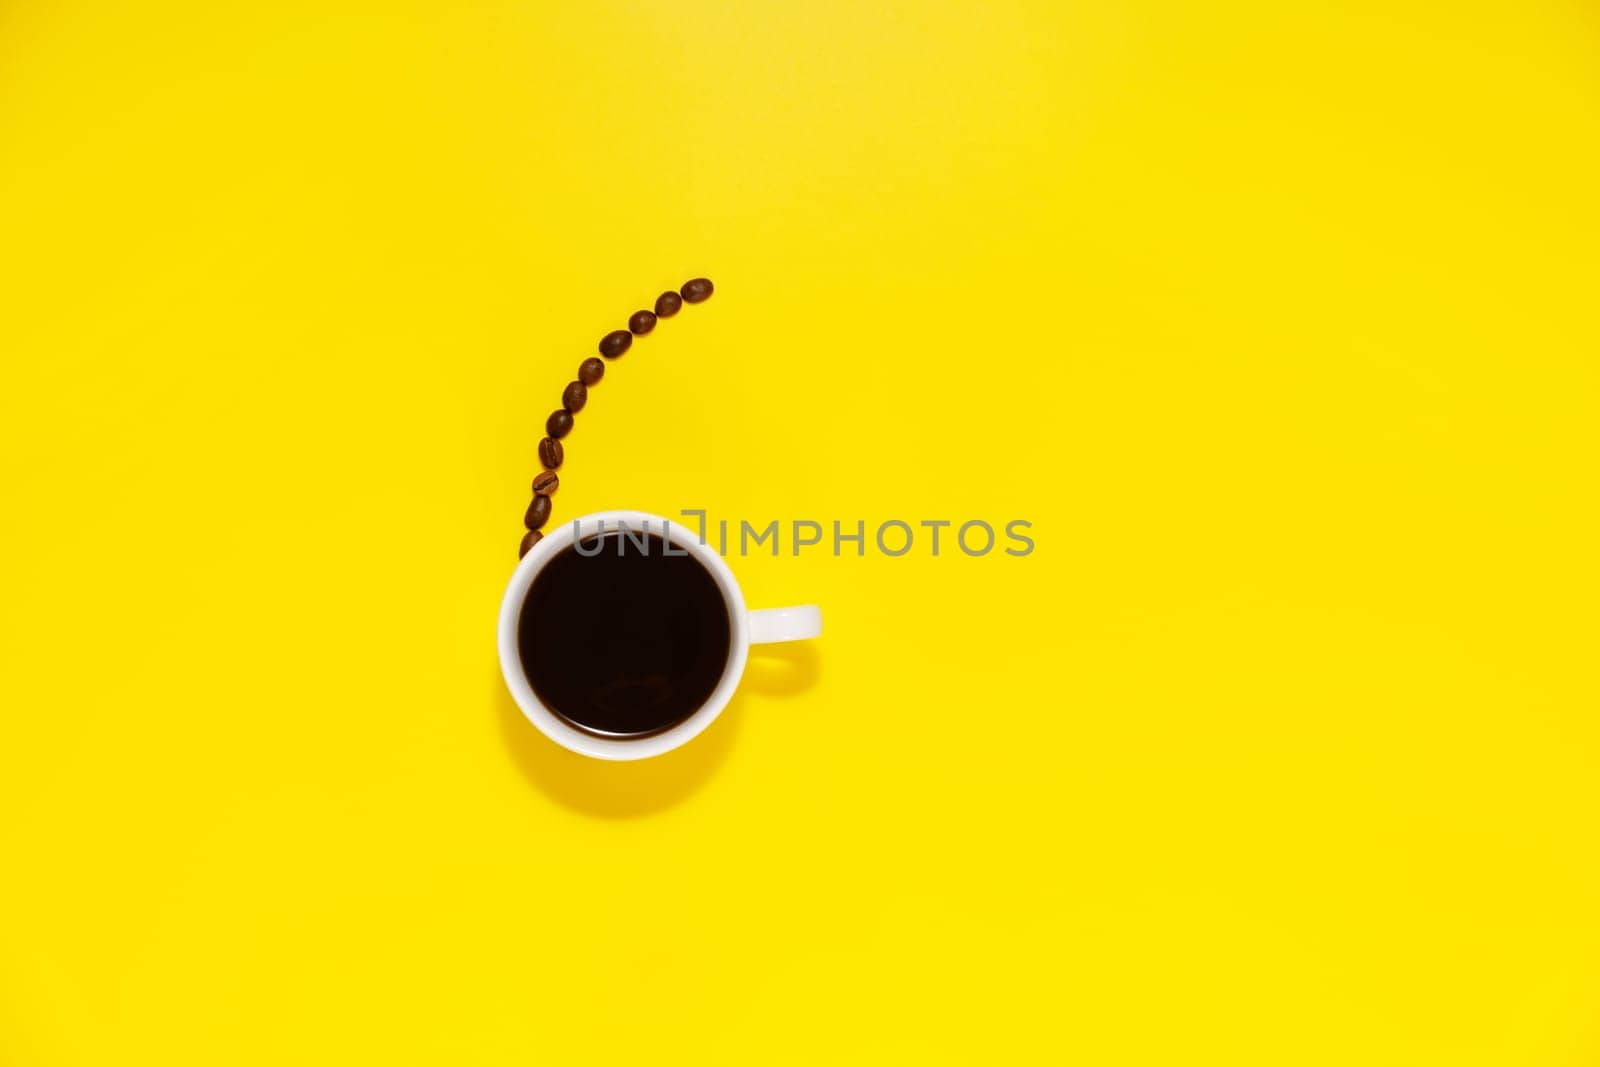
785	624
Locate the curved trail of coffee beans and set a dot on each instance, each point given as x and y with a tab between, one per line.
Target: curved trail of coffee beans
576	395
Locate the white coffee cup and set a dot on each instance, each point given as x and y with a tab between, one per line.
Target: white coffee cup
745	628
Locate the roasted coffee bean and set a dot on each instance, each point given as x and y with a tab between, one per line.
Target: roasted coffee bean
538	512
551	453
667	304
574	396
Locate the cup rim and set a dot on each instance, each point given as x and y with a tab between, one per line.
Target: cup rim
552	725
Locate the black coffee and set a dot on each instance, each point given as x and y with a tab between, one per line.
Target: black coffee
623	640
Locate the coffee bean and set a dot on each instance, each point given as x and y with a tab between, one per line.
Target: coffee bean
538	513
574	396
551	453
667	304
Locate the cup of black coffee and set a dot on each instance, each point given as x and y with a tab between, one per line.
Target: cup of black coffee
622	636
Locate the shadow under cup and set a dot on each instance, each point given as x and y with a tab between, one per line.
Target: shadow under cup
624	635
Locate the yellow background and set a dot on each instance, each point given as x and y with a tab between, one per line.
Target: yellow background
1276	320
